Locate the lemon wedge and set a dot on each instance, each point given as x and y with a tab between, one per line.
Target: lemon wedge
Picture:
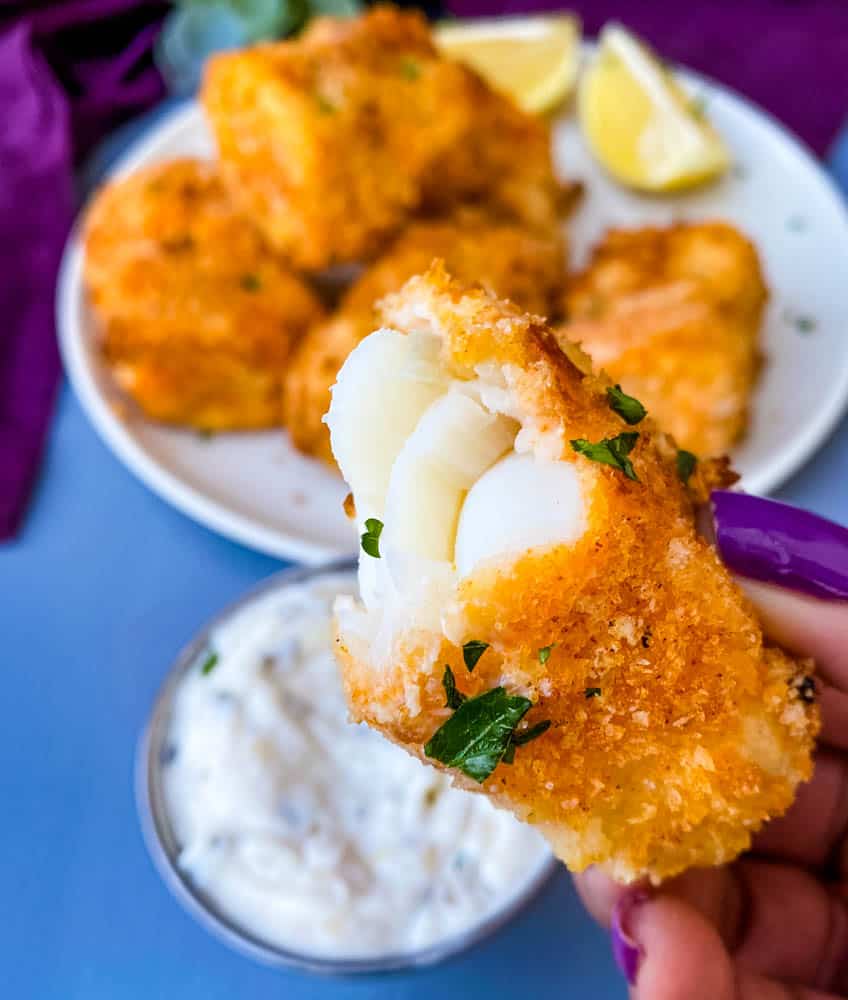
639	122
533	59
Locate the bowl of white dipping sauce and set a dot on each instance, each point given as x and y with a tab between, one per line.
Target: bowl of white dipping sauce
298	837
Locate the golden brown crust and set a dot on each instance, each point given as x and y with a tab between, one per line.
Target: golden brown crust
698	733
510	260
198	318
333	140
674	314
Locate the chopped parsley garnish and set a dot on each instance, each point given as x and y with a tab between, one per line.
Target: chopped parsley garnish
250	283
370	538
629	409
472	651
324	106
478	734
205	434
519	739
805	324
545	652
409	69
453	697
686	463
209	663
610	451
592	692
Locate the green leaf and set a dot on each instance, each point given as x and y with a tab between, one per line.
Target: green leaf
209	663
409	69
370	538
453	697
472	651
477	735
610	451
545	652
629	409
686	463
250	283
592	692
519	739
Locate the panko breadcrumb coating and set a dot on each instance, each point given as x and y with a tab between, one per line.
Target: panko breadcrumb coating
506	258
675	728
198	318
674	315
331	141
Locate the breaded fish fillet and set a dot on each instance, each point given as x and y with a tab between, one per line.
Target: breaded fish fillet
539	613
506	258
674	316
198	317
332	140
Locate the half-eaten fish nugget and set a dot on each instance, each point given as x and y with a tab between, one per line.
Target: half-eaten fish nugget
538	612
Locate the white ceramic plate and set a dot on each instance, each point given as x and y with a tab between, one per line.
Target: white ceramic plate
256	489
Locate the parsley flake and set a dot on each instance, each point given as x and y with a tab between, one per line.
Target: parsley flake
592	692
686	463
478	734
250	283
610	451
805	324
453	697
629	409
324	106
519	739
409	69
472	651
545	652
209	663
370	538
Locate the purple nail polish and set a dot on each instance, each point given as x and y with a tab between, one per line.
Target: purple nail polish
777	543
625	950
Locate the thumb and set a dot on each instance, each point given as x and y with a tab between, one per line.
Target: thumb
668	951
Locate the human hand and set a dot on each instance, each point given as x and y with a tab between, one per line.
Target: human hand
773	925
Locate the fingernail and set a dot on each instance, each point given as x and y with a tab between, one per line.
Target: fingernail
777	543
625	949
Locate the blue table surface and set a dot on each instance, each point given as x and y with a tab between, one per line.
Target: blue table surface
101	589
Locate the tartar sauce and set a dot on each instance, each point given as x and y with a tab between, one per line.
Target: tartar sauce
312	833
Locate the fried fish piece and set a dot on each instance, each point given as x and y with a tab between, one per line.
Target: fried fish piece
331	141
512	261
198	317
539	614
674	315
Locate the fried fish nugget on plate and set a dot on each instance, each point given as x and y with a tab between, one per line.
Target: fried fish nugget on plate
197	316
333	140
674	315
514	262
539	614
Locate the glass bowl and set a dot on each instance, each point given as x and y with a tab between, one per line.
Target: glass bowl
162	844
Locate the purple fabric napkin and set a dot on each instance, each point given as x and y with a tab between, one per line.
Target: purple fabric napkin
69	72
790	56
